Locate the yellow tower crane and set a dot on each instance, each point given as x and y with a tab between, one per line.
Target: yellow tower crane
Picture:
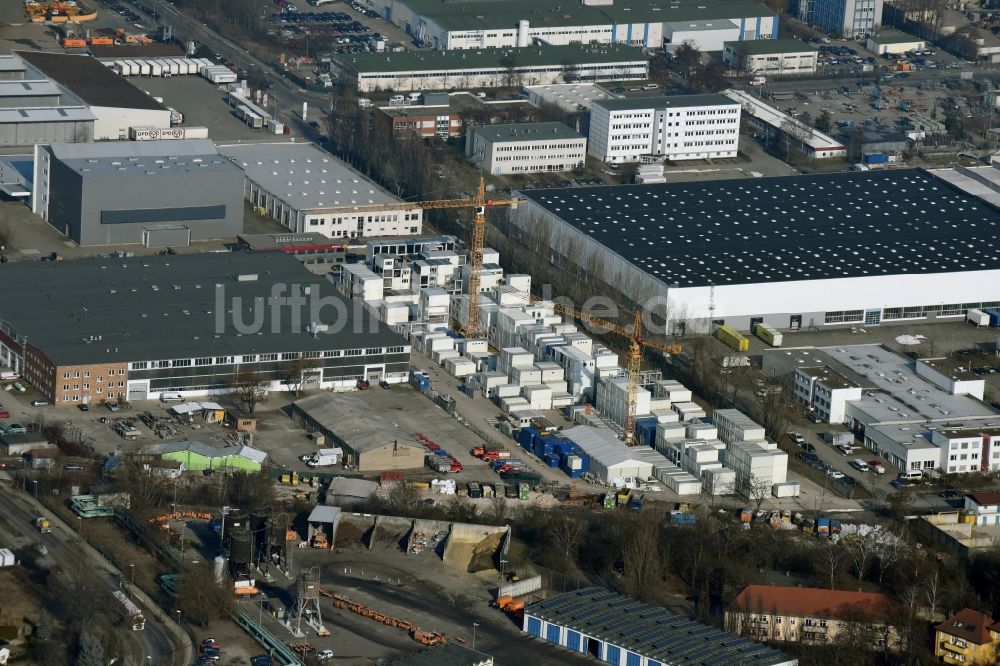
479	203
636	341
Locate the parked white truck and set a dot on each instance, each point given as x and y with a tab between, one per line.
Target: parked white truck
325	457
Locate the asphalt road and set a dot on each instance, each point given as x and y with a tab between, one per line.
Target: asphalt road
63	548
289	97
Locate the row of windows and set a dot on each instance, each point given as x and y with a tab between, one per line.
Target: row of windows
261	358
78	397
535	158
86	387
949	310
623	68
535	146
844	316
86	374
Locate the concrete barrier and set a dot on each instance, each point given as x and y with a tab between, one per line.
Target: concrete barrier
358	526
392	530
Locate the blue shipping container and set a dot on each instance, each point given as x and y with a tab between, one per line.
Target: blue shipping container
876	158
994	316
552	460
527	437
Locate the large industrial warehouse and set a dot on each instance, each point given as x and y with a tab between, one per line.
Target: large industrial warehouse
109	329
309	190
154	193
115	103
837	249
624	632
476	24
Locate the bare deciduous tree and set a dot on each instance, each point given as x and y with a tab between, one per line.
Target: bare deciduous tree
250	388
294	372
566	535
755	489
643	565
831	559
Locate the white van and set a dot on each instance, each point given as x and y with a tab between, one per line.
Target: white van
414	96
365	103
397	99
859	465
910	475
171	397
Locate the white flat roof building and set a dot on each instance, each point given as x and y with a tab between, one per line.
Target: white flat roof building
681	127
568	97
917	415
771	57
307	189
525	148
765	117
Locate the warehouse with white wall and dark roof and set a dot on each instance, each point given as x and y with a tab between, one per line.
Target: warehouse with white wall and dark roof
793	252
112	329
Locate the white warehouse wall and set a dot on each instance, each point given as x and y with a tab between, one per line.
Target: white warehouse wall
113	122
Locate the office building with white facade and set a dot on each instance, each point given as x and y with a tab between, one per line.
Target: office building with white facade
771	57
307	189
525	148
922	415
849	19
682	127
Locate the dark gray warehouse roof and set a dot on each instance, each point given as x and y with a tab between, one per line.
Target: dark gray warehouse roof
91	81
650	631
166	307
898	221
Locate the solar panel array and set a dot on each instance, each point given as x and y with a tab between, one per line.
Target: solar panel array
650	631
899	221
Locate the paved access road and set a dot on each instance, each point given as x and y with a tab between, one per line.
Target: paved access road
64	548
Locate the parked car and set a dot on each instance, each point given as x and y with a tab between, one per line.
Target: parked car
806	446
83	407
39	403
325	655
4	414
797	438
949	494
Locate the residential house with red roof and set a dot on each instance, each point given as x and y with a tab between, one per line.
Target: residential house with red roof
813	615
967	637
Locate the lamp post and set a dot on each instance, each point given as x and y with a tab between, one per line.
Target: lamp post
260	615
475	625
35	481
131	574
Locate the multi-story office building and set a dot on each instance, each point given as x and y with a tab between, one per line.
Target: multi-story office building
849	19
525	148
683	127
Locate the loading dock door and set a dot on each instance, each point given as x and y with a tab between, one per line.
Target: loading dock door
171	236
138	391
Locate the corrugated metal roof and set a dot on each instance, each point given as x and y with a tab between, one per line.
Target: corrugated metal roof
651	631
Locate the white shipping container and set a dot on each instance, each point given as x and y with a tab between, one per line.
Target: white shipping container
195	132
977	318
787	489
505	391
144	68
6	557
155	68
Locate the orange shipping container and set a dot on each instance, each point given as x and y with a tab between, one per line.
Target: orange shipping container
102	41
74	43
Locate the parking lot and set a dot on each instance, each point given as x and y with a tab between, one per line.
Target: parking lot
339	31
